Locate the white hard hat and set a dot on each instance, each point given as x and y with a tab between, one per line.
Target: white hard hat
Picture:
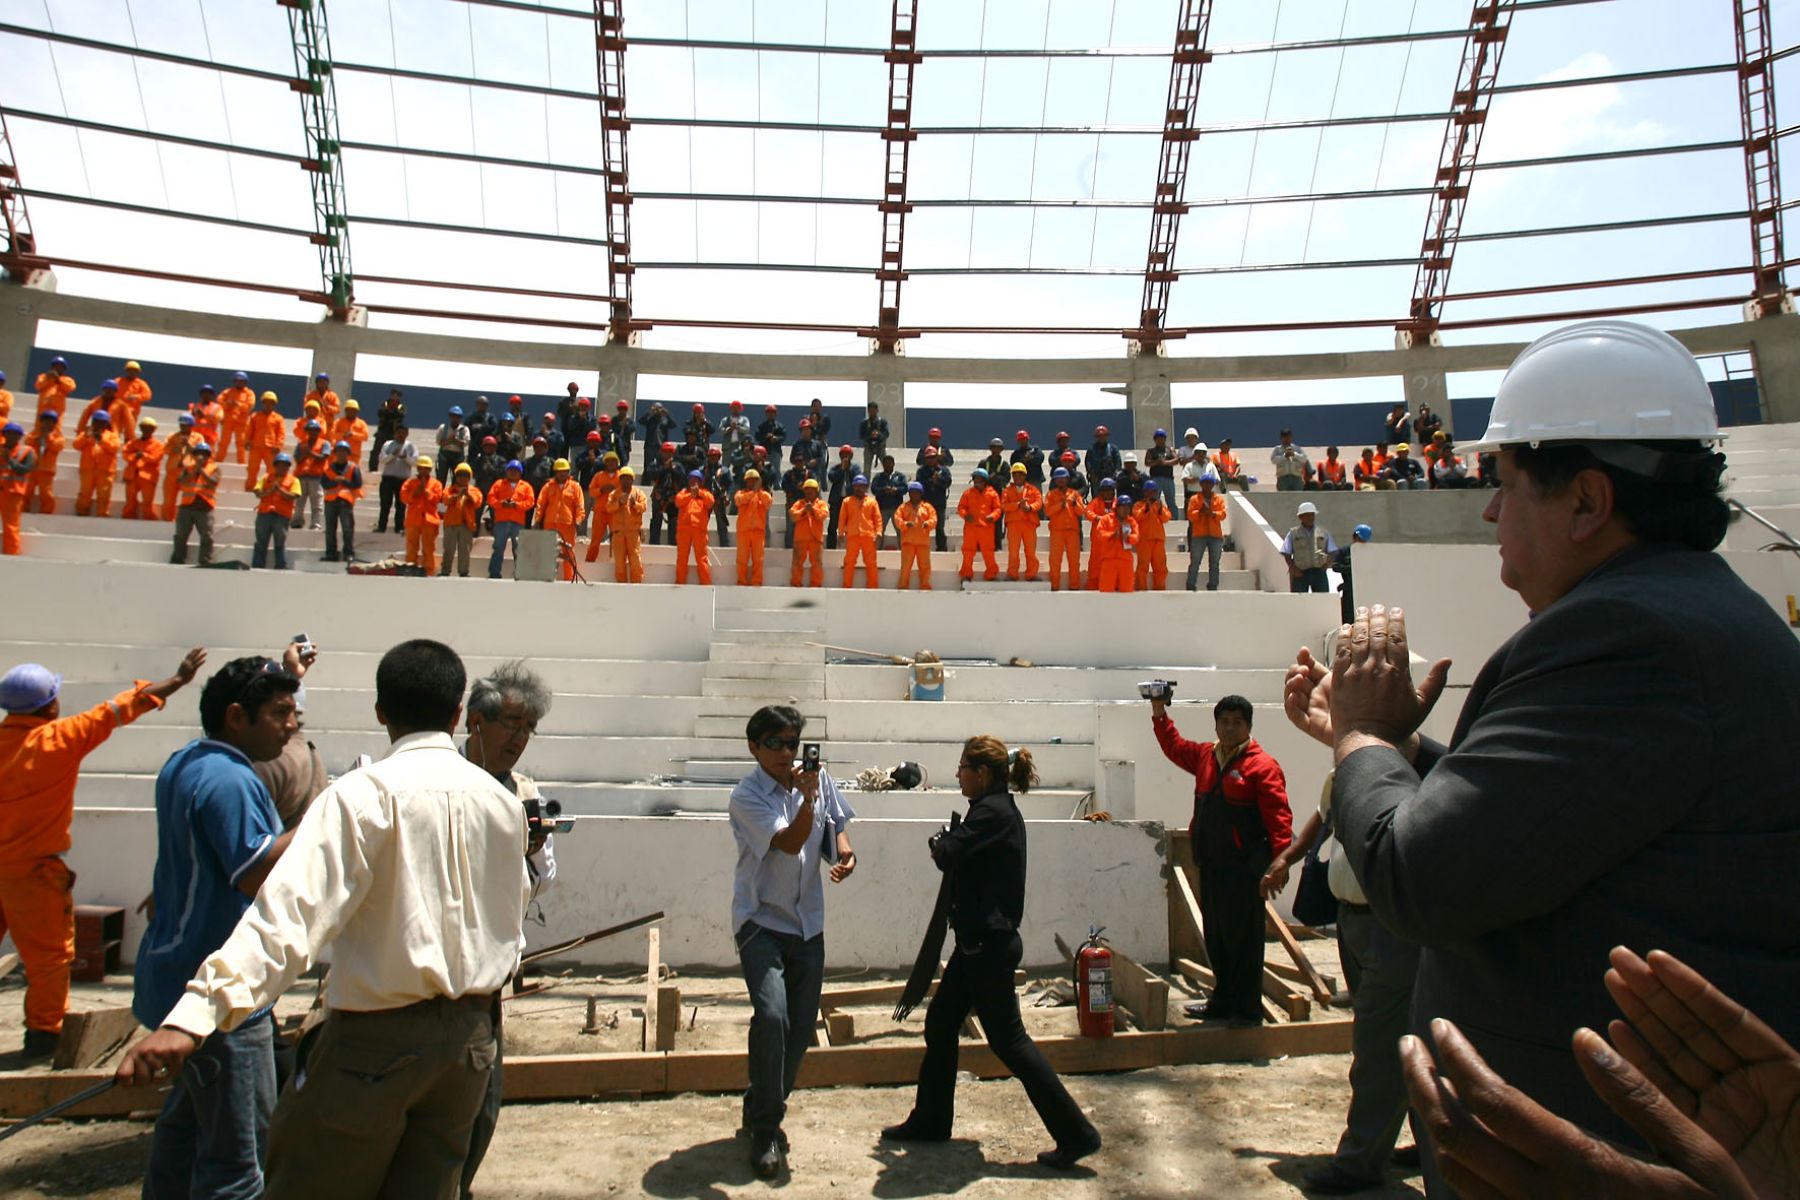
1601	381
1305	508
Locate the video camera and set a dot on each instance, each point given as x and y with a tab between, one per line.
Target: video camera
545	816
1157	689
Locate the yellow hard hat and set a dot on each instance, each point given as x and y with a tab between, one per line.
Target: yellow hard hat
624	471
751	474
423	462
150	421
561	464
132	366
813	484
271	396
610	456
350	405
1402	446
463	469
312	406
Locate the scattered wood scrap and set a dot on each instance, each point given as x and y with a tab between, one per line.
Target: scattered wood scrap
88	1038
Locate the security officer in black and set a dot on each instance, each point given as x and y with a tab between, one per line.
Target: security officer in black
617	432
664	477
1032	457
934	477
770	435
839	477
984	858
1102	461
717	480
481	423
793	484
657	425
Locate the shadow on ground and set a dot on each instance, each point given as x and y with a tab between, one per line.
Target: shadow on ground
112	1156
939	1168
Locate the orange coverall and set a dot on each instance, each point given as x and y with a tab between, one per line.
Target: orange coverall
979	508
135	393
328	403
47	443
115	408
600	489
1113	538
625	510
1096	508
6	404
174	451
354	430
1152	550
99	472
560	509
266	435
15	482
694	505
207	421
752	531
809	518
423	519
237	405
39	759
916	520
1063	508
1023	506
143	464
859	524
53	393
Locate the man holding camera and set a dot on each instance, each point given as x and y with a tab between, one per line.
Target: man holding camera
787	818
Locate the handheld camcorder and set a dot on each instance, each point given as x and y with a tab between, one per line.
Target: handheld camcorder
1157	689
545	816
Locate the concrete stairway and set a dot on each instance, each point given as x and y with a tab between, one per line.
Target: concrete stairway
763	652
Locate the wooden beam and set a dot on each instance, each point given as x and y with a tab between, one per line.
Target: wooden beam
881	993
8	963
1185	937
1143	991
88	1037
1286	935
840	1027
1294	974
1188	910
1196	974
583	1076
652	1024
668	1015
22	1094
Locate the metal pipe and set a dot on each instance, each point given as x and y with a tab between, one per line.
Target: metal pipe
1777	530
1539	289
25	114
483	287
152	210
484	159
1552	160
1545	85
1601	227
180	60
1621	310
76	264
447	227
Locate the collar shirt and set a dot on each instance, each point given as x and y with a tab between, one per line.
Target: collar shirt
411	869
1309	549
1289	461
1337	864
397	459
782	892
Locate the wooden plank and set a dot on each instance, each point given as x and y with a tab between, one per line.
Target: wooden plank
1286	936
88	1037
8	964
23	1094
1143	991
668	1015
1189	912
1185	939
881	993
652	1024
1294	974
1198	975
583	1076
1204	1045
840	1027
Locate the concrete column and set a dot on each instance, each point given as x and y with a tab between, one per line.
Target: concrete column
19	327
1775	342
886	389
335	344
1149	400
1429	385
618	379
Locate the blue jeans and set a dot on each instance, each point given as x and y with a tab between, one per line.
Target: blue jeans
504	532
212	1136
1209	548
270	527
784	973
1290	483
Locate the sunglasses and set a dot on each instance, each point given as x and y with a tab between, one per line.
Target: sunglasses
778	743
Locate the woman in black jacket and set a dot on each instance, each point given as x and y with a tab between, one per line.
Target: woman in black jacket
984	858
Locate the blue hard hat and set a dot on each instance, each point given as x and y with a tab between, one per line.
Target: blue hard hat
104	417
915	486
185	419
207	387
323	375
1060	473
978	473
1148	487
341	446
13	427
285	459
109	385
515	465
696	475
456	410
240	376
201	447
28	687
1363	533
48	414
1160	433
59	361
314	425
1107	483
2	376
860	481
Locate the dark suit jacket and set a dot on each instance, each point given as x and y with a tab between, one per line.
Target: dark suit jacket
1626	771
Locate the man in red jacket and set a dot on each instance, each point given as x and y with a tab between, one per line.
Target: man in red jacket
1241	821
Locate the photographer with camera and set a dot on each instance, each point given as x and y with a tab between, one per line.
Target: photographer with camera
787	818
1241	822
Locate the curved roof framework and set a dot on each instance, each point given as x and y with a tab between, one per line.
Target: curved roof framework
976	174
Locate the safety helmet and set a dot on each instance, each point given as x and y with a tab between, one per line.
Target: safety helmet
353	406
264	396
1062	435
515	465
1060	473
200	447
490	440
611	456
759	451
456	410
845	451
713	452
423	462
1601	381
752	473
1306	508
325	375
344	446
934	431
1107	484
312	406
311	425
515	400
50	414
593	437
930	452
13	427
185	419
132	366
978	473
810	485
1099	431
770	409
1363	533
604	420
1018	468
284	459
584	402
102	417
737	406
28	687
1403	448
627	473
561	464
1149	487
1068	456
109	385
463	469
805	423
996	444
699	410
208	389
696	475
239	376
915	486
149	421
1161	433
1021	436
59	361
624	404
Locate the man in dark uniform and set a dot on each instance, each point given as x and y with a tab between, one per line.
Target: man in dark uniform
1102	461
839	478
821	422
578	424
873	432
811	450
934	477
717	478
664	477
770	435
481	423
390	416
889	489
698	427
1031	456
658	425
793	484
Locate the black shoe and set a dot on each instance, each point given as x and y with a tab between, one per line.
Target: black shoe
1333	1180
1243	1022
1064	1158
1406	1156
906	1131
765	1155
39	1043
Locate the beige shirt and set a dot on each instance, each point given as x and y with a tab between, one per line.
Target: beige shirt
1338	873
412	869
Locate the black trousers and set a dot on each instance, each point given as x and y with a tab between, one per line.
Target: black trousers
1232	908
390	498
983	981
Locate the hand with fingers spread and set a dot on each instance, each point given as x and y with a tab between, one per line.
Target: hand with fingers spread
1720	1065
1492	1140
1307	696
1372	699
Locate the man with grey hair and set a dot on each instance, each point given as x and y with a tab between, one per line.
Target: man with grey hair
504	709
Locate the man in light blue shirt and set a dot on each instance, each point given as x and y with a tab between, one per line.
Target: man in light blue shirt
787	820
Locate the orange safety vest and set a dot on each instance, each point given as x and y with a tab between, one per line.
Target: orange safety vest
510	501
462	505
1204	519
338	481
422	497
311	456
559	504
278	495
1226	461
200	485
1334	471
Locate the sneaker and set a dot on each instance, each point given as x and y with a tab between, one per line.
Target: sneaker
765	1155
1333	1180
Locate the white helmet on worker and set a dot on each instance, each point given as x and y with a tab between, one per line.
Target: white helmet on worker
1603	382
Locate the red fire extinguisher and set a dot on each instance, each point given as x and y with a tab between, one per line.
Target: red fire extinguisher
1093	987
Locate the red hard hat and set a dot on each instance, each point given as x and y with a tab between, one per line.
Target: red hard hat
1062	435
699	410
1099	431
624	404
932	451
583	402
805	424
605	420
845	450
712	452
593	435
488	441
1021	436
934	431
769	408
760	451
737	406
1068	456
514	400
669	446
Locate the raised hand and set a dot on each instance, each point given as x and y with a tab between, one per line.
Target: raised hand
1372	691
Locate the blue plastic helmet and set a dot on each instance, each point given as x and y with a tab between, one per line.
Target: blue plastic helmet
103	417
515	465
284	459
860	481
1107	484
1363	533
13	427
978	473
696	474
456	410
1060	473
341	446
200	447
28	687
58	361
240	376
109	385
209	389
323	375
185	419
916	486
1148	487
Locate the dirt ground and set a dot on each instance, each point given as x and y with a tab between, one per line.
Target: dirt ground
1248	1129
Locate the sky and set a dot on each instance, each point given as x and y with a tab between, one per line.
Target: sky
564	199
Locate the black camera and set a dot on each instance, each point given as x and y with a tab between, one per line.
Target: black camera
1157	689
809	757
541	817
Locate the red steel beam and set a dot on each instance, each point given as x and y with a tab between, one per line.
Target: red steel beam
903	59
18	251
609	37
1756	97
1179	135
1489	24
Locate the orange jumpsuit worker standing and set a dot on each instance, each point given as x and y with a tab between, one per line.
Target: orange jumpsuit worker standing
979	508
625	510
600	490
17	462
1114	536
143	464
752	528
859	524
209	415
175	450
118	413
6	399
560	509
1098	507
462	516
46	441
693	523
916	519
325	398
1023	507
54	388
422	495
1063	510
266	436
236	405
351	428
40	755
1151	515
99	449
809	516
134	390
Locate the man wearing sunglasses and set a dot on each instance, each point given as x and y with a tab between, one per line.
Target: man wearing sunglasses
787	818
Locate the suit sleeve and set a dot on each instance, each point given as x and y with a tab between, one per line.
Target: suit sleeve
1553	785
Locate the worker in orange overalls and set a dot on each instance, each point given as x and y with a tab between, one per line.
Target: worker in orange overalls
916	518
1115	536
1022	505
560	509
209	415
1151	513
808	516
422	494
600	490
17	462
46	441
143	465
1105	496
99	447
1063	509
54	388
311	454
859	524
267	434
462	513
325	398
237	404
199	481
40	755
175	449
753	501
350	427
625	510
134	390
979	508
693	523
113	405
277	496
6	399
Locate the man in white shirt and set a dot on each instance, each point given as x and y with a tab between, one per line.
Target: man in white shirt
397	457
412	871
786	820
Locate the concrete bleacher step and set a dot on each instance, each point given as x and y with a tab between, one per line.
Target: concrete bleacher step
752	679
804	620
993	682
786	652
732	725
1068	764
1003	584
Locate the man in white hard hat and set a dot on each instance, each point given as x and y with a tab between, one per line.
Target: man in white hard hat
1623	769
1309	549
